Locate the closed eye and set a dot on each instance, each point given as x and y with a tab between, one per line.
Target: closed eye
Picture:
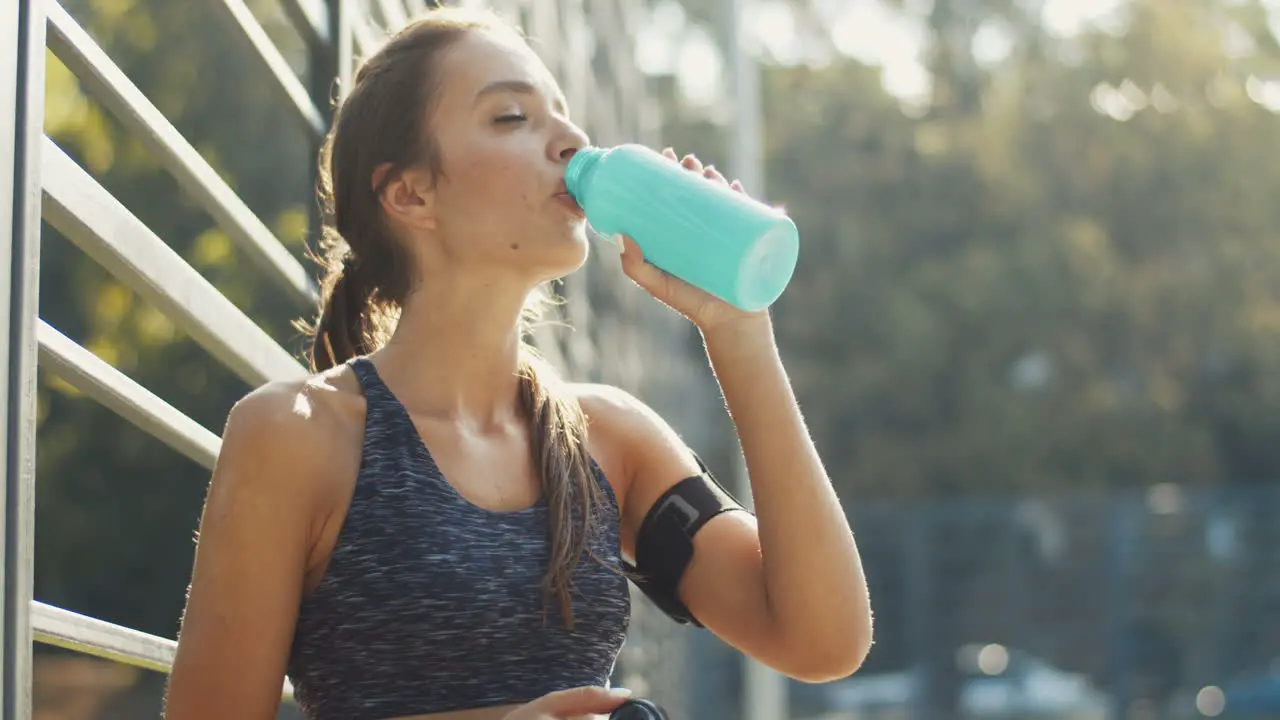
514	118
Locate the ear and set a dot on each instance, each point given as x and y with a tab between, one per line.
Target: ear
408	197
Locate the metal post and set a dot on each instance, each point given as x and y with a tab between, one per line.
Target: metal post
747	138
344	43
330	73
764	692
21	130
322	70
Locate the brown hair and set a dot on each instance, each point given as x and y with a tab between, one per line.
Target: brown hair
384	119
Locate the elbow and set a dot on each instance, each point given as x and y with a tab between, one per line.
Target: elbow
829	665
829	655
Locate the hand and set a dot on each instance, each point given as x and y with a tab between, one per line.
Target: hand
701	308
570	704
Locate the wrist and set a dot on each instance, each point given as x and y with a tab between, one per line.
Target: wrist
739	332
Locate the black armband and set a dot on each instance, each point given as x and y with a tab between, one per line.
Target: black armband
664	544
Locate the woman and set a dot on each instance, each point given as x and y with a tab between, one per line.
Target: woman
433	525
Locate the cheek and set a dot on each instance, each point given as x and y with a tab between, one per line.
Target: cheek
513	186
502	177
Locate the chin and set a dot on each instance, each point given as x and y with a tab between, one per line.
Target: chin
573	262
575	248
564	256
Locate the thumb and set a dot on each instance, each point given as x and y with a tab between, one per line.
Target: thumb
575	701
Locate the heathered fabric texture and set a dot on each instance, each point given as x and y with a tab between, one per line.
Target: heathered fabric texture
431	603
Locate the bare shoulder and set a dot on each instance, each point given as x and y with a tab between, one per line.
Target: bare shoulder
304	428
611	405
289	450
299	409
616	416
627	429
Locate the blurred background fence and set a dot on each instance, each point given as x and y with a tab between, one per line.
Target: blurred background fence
1152	604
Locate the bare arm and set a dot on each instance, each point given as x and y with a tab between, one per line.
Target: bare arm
786	587
809	568
789	591
251	558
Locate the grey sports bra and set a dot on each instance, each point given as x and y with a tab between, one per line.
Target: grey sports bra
431	603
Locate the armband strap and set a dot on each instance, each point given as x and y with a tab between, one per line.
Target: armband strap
664	544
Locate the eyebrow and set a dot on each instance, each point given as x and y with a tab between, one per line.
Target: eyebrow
519	87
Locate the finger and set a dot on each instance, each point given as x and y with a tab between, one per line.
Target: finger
635	267
632	255
580	701
692	162
737	185
670	154
711	173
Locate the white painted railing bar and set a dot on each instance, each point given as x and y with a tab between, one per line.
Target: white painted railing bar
275	65
366	35
22	91
311	18
122	395
104	229
108	84
65	629
394	13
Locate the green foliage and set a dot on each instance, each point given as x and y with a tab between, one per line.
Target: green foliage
1068	283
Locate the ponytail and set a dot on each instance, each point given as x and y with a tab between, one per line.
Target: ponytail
342	331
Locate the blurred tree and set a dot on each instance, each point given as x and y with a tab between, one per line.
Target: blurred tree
1049	287
1060	274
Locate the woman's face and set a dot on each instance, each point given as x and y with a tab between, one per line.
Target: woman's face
504	137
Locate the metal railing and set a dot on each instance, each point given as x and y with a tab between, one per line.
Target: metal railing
39	181
42	181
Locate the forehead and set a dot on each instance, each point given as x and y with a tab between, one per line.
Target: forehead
484	57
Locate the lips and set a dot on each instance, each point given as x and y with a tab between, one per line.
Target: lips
568	202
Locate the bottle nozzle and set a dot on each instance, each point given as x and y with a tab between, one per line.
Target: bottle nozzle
578	168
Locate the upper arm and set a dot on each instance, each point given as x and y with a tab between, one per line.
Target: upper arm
251	559
723	586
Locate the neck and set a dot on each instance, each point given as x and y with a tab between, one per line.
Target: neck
455	352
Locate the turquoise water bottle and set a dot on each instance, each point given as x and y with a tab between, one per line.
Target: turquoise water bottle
707	234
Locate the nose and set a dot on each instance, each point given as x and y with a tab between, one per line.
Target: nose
569	142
